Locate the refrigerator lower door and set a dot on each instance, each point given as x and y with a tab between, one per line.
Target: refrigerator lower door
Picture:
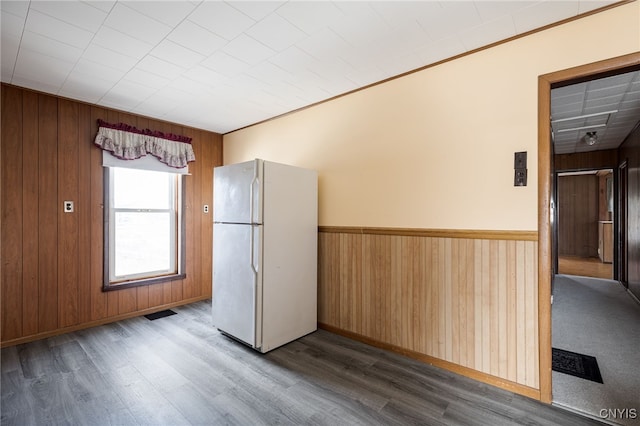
236	281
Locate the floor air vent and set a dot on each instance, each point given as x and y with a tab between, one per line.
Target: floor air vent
160	314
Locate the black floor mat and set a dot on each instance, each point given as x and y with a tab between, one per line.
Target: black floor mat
579	365
160	314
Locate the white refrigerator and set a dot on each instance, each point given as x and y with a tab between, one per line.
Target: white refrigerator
265	245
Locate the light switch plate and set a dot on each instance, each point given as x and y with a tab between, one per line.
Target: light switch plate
520	160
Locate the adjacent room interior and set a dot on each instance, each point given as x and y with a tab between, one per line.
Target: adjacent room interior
593	311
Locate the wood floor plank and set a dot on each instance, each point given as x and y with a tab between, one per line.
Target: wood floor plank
181	370
16	409
147	405
198	407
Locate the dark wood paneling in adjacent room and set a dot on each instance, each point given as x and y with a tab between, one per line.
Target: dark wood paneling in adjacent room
52	261
603	159
630	151
578	215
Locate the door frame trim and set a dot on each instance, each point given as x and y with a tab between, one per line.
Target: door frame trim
622	218
545	253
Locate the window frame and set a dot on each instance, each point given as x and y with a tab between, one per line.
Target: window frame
181	205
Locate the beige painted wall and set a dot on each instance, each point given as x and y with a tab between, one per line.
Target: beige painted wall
434	149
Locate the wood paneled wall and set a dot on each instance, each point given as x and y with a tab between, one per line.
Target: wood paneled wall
603	199
578	200
52	261
603	159
630	151
468	301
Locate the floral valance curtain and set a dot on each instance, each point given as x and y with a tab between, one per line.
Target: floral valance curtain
129	143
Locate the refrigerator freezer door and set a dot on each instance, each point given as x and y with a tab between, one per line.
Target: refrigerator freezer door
237	192
236	281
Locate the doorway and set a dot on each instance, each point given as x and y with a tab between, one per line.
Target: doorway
546	188
591	313
585	223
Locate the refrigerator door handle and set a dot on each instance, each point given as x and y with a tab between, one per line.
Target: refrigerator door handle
252	247
252	202
254	269
255	195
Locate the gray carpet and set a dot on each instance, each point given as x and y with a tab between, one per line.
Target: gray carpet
598	318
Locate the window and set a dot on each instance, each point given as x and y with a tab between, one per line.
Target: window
143	227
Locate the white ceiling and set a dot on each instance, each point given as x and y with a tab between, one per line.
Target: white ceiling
221	66
608	106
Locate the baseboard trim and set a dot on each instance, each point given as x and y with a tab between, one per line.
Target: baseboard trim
446	365
102	321
474	234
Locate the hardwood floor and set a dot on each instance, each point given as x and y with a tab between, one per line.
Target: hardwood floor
179	370
585	267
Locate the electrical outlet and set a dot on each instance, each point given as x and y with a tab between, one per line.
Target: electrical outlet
520	177
68	206
205	208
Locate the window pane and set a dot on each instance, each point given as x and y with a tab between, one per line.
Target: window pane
141	189
143	243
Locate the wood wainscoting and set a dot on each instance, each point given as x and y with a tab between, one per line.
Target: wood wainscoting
52	261
466	301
